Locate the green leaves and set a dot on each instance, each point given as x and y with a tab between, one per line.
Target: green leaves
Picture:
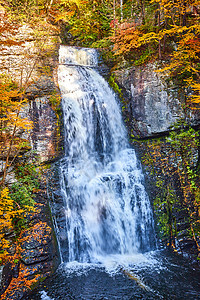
27	183
172	163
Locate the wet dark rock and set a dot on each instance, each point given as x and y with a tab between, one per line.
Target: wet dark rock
37	245
17	294
36	236
186	244
44	86
15	270
46	137
7	275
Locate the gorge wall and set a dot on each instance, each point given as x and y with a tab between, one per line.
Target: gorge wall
165	133
32	62
154	104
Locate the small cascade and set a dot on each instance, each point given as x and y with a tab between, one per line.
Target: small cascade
107	210
78	56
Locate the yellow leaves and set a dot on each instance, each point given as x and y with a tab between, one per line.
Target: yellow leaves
77	2
6	208
195	98
11	105
10	211
196	87
65	16
184	60
71	7
172	9
185	57
7	214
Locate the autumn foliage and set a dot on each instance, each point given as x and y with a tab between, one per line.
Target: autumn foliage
170	32
11	123
165	31
7	215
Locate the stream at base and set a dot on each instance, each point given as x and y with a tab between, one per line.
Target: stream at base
155	275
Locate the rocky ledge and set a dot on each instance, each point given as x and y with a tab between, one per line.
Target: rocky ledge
153	103
36	256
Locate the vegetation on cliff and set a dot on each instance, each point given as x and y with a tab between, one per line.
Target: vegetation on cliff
171	163
19	168
165	32
137	32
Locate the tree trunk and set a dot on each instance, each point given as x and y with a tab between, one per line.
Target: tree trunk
121	9
159	46
114	15
132	9
184	17
142	11
165	37
8	156
198	160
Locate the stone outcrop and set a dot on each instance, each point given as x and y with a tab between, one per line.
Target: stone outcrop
36	256
32	60
46	137
153	105
29	56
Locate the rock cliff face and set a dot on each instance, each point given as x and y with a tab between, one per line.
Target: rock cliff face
32	61
153	105
36	254
46	137
32	58
33	64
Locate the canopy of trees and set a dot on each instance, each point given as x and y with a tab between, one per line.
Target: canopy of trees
137	30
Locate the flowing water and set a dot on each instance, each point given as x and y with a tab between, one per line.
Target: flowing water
107	209
107	241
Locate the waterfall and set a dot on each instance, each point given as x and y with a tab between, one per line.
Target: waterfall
107	210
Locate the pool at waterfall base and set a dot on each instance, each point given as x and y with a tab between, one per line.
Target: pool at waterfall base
160	274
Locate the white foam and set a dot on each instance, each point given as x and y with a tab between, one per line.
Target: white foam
44	296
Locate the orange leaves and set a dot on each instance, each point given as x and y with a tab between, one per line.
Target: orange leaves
31	244
71	8
185	58
64	16
193	43
175	9
127	39
24	282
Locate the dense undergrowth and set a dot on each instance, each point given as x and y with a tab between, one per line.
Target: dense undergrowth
171	166
17	201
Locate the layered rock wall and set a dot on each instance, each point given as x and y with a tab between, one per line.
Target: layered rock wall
154	105
29	55
32	62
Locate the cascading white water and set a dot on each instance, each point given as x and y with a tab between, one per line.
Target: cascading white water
106	207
